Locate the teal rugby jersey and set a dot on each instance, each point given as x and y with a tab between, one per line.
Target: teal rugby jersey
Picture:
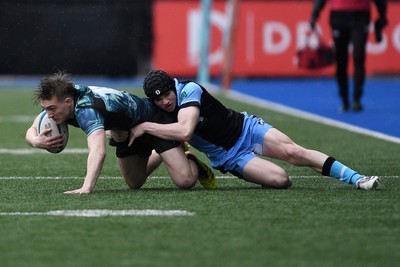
107	108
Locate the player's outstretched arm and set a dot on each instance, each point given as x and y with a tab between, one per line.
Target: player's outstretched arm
182	130
95	160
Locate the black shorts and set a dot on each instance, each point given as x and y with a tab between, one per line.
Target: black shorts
144	145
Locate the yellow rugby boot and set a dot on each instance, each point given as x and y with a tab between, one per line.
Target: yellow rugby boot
206	175
185	146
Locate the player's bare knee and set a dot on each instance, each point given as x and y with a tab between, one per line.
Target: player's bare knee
135	183
277	179
286	183
184	182
283	181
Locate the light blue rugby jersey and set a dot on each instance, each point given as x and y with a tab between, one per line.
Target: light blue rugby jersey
126	109
189	93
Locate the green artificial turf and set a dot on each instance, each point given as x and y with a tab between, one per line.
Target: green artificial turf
318	222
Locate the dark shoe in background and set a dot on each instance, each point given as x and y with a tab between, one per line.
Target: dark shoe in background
357	107
345	107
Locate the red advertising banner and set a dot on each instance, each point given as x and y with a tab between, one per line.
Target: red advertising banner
268	35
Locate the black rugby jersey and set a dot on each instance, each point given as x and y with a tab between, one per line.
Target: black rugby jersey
217	124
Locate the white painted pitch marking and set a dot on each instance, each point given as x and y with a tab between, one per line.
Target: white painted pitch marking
17	118
76	177
156	177
29	151
309	116
102	213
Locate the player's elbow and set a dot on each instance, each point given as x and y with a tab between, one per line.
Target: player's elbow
29	138
28	141
186	136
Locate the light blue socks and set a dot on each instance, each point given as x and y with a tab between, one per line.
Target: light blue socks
339	171
344	173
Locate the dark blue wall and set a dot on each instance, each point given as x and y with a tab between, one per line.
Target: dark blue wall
85	37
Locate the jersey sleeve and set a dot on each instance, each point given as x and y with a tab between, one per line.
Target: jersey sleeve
88	119
190	95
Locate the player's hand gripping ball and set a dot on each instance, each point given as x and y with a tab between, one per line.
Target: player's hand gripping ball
47	123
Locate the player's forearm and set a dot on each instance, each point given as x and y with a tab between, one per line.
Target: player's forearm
95	162
171	131
31	133
30	136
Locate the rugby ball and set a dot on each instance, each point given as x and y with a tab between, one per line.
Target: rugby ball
47	123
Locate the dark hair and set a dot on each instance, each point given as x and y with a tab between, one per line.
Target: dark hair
157	83
59	84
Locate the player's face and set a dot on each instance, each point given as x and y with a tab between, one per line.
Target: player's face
167	101
59	111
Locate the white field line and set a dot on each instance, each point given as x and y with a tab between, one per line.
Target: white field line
102	213
30	151
155	177
17	118
309	116
78	178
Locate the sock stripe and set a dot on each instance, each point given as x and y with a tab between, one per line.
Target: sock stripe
342	171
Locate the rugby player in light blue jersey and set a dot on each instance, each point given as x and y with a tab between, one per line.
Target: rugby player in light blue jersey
231	140
97	109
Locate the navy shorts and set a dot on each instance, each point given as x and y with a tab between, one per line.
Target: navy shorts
144	145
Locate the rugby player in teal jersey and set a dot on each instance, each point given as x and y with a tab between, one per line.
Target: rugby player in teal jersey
97	109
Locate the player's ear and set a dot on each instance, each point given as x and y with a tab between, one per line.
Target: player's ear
69	101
